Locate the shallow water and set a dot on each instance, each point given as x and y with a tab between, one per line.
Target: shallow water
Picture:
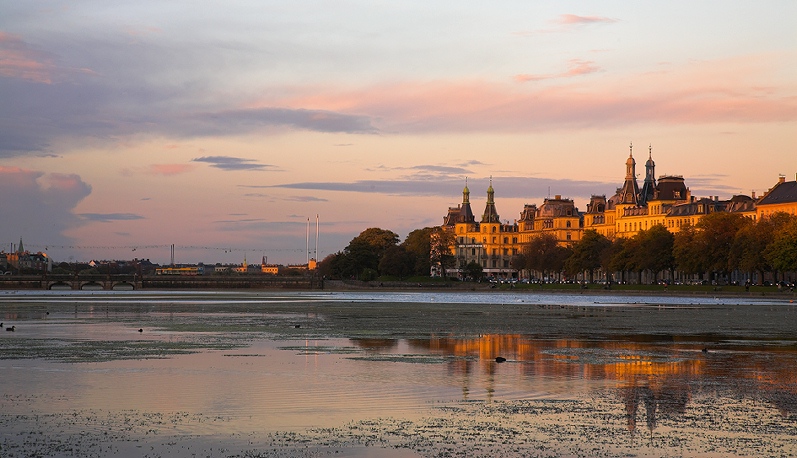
395	375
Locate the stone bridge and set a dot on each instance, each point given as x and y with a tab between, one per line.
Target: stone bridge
155	282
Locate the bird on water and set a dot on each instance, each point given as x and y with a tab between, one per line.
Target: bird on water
12	328
500	359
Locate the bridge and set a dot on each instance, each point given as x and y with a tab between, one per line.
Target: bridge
155	282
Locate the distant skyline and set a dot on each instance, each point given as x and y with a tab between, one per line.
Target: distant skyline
223	127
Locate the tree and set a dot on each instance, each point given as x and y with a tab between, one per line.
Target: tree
715	238
544	254
654	250
379	240
587	253
398	262
474	270
782	252
614	259
688	251
442	242
418	243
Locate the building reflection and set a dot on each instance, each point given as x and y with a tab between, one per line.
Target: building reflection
653	379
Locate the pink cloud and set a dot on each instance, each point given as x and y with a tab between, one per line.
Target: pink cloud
16	177
570	19
62	182
737	90
578	67
18	61
170	169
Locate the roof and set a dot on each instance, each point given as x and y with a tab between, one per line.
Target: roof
783	193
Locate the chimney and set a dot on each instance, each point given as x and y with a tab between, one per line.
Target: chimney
753	195
781	178
558	197
716	198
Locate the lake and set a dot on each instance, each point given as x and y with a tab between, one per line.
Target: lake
396	374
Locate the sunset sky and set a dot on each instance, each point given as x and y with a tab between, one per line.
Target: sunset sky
222	127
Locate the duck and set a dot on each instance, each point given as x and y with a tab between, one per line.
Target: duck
11	329
140	330
500	359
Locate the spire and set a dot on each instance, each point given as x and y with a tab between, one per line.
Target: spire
20	249
490	213
649	185
466	193
629	193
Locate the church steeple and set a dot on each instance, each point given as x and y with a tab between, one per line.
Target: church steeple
20	248
466	193
490	213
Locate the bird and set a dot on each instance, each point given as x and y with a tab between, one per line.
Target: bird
500	359
12	328
705	350
140	330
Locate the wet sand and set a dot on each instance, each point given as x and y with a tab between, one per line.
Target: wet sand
657	406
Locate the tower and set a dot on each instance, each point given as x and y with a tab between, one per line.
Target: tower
649	185
629	193
490	213
465	212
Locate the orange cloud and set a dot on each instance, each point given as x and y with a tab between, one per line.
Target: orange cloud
17	61
170	169
742	90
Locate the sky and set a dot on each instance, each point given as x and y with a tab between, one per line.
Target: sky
245	129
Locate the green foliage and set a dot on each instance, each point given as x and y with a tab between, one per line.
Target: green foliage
782	252
474	270
398	262
587	253
419	244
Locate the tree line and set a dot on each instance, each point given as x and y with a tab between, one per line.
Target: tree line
719	244
377	252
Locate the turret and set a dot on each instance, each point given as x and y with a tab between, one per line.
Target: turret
490	213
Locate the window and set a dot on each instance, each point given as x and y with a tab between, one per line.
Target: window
569	236
506	239
493	229
567	224
473	251
514	239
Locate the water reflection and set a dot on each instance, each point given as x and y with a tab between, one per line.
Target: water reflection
662	377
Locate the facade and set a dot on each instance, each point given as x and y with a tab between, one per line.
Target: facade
665	201
492	244
780	198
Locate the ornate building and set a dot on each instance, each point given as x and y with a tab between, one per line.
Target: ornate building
665	201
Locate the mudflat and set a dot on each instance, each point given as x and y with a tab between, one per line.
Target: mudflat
396	374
